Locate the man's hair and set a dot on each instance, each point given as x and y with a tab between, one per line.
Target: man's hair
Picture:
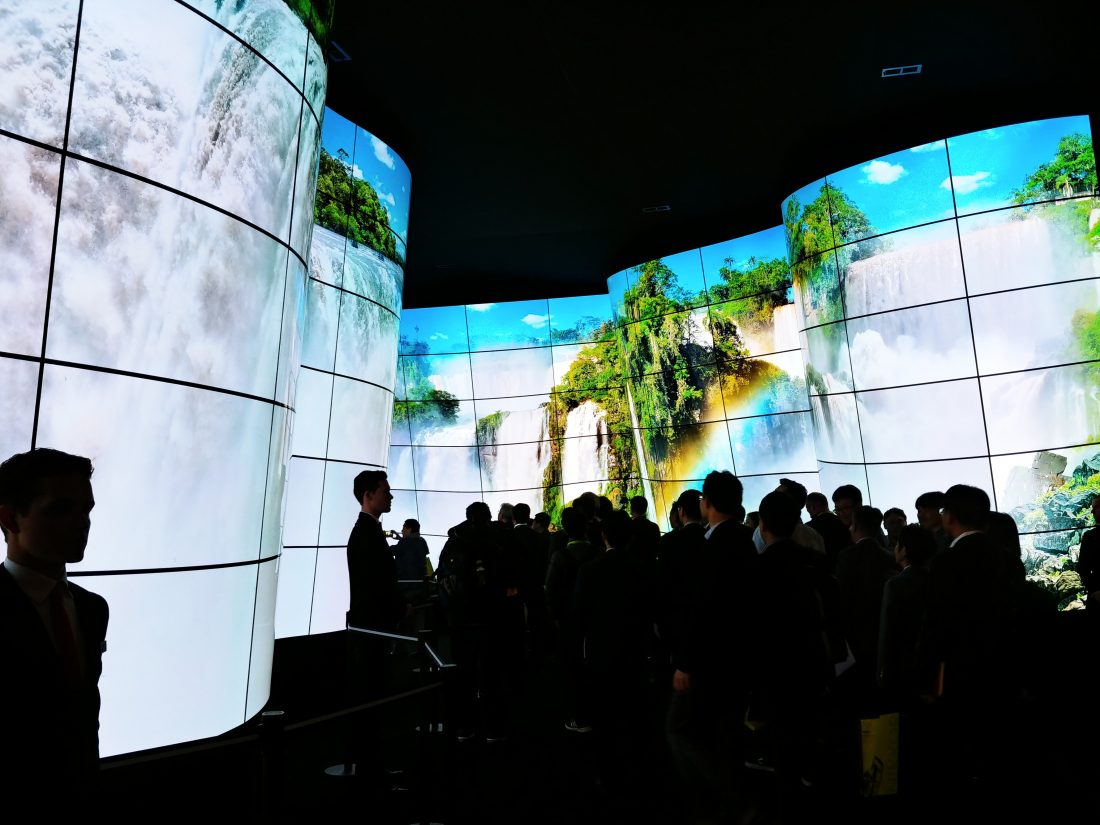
779	514
724	491
868	519
522	513
795	490
893	511
23	475
543	519
412	524
932	500
573	523
607	507
817	499
638	506
478	512
367	482
506	512
587	504
616	527
968	505
850	492
919	544
689	503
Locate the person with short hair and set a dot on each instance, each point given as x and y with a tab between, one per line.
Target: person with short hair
644	534
828	525
928	506
846	498
904	605
804	535
892	522
52	633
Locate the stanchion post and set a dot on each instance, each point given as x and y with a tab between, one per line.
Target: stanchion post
271	760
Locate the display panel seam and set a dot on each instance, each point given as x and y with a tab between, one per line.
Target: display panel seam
56	226
145	571
357	295
45	147
257	52
349	378
969	313
339	460
188	196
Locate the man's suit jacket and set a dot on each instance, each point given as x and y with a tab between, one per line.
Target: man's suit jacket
50	730
862	571
376	599
614	609
901	630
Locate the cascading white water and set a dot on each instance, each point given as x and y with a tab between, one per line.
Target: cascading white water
584	460
521	452
443	466
785	328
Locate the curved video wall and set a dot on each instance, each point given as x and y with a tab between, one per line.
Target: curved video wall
709	341
948	301
345	391
154	226
508	402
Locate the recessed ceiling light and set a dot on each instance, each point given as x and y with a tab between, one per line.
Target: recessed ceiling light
902	71
661	207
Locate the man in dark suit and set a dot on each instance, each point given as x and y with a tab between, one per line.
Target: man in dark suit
614	611
828	525
707	708
1088	560
52	633
680	580
376	604
644	534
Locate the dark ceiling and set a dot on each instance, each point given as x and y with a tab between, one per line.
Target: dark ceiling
538	132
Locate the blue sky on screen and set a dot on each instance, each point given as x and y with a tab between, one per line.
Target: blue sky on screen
764	246
989	166
509	325
373	161
443	329
901	189
566	313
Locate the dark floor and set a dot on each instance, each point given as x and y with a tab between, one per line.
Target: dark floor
542	773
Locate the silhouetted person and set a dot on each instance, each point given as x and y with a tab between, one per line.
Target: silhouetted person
928	507
904	605
535	547
674	522
828	525
679	583
644	534
969	628
846	498
791	663
707	708
861	572
410	556
376	604
892	522
752	520
803	535
52	636
614	613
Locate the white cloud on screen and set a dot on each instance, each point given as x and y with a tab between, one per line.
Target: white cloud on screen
533	320
382	152
480	307
881	172
356	172
438	336
965	184
929	147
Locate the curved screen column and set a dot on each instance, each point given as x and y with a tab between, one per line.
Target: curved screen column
159	160
948	300
344	396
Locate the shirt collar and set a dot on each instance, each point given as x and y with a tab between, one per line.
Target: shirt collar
37	586
962	536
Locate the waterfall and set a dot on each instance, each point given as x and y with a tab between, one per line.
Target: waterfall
585	460
444	466
521	452
785	328
643	465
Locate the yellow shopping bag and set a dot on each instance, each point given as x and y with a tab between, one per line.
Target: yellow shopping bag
879	737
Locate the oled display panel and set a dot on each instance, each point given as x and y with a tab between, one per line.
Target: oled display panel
168	351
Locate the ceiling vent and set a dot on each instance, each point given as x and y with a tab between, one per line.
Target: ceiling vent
661	207
902	71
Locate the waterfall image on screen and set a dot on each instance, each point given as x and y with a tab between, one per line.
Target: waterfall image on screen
344	394
710	345
508	403
165	356
947	299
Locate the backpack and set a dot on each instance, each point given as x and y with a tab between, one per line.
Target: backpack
465	576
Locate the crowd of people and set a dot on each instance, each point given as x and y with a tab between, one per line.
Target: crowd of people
774	634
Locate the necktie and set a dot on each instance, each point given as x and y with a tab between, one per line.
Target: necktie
63	637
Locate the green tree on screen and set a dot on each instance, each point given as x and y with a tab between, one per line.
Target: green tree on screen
349	205
1071	171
